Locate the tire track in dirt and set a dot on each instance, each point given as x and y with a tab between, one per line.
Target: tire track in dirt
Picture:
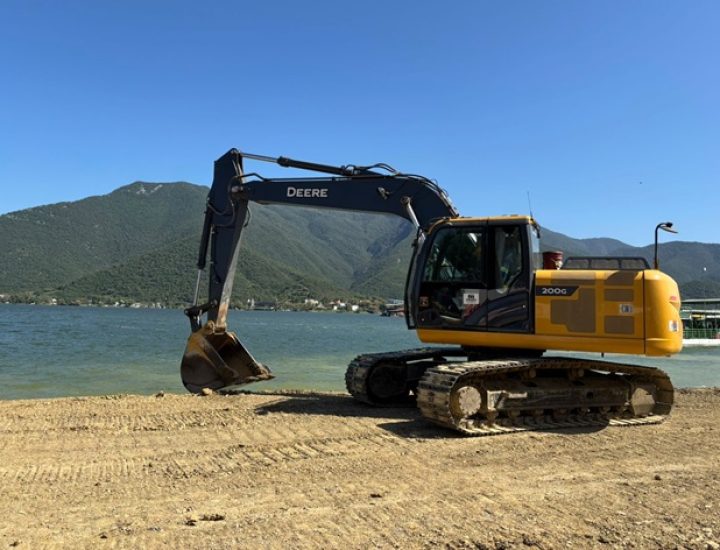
172	414
283	444
200	463
132	423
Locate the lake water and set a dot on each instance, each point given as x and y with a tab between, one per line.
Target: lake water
68	351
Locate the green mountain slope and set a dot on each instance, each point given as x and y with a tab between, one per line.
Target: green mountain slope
139	244
695	266
386	272
168	276
578	247
329	245
52	245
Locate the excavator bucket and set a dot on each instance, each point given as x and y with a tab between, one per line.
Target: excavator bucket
215	359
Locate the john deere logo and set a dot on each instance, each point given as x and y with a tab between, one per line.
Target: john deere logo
307	192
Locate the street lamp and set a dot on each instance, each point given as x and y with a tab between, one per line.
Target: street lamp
665	226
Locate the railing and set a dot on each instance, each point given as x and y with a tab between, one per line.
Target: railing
696	333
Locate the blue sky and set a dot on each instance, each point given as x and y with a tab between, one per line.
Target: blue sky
605	112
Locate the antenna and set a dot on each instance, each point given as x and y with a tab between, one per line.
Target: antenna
530	205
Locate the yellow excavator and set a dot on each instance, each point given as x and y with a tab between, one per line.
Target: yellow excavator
477	289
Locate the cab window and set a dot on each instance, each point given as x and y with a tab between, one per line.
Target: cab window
508	257
457	256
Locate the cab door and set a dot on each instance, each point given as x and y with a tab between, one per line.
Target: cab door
509	276
452	272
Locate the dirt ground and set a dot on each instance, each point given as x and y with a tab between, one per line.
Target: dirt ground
290	471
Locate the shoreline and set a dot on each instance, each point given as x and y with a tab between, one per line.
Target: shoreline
702	343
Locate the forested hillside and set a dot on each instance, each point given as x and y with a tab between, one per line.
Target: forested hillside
139	244
48	246
695	266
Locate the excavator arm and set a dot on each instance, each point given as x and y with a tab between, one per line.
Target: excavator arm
214	357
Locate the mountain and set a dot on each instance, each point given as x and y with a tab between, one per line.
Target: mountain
578	247
139	244
691	264
51	245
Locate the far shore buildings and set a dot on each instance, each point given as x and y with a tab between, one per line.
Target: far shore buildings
308	303
701	318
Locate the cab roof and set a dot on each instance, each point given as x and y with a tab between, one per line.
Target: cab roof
510	219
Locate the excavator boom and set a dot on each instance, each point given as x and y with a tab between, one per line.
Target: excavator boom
214	357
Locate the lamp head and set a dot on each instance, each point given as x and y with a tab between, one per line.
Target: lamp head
667	226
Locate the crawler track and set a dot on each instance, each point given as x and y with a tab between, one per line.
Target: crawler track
439	376
406	365
438	395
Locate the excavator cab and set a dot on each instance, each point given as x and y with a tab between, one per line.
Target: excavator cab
475	275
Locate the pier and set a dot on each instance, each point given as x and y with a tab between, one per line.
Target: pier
701	321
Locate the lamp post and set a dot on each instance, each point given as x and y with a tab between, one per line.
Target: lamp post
665	226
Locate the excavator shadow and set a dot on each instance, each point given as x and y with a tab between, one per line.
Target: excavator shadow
332	405
402	421
419	428
422	429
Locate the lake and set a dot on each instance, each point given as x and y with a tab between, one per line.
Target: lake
67	351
